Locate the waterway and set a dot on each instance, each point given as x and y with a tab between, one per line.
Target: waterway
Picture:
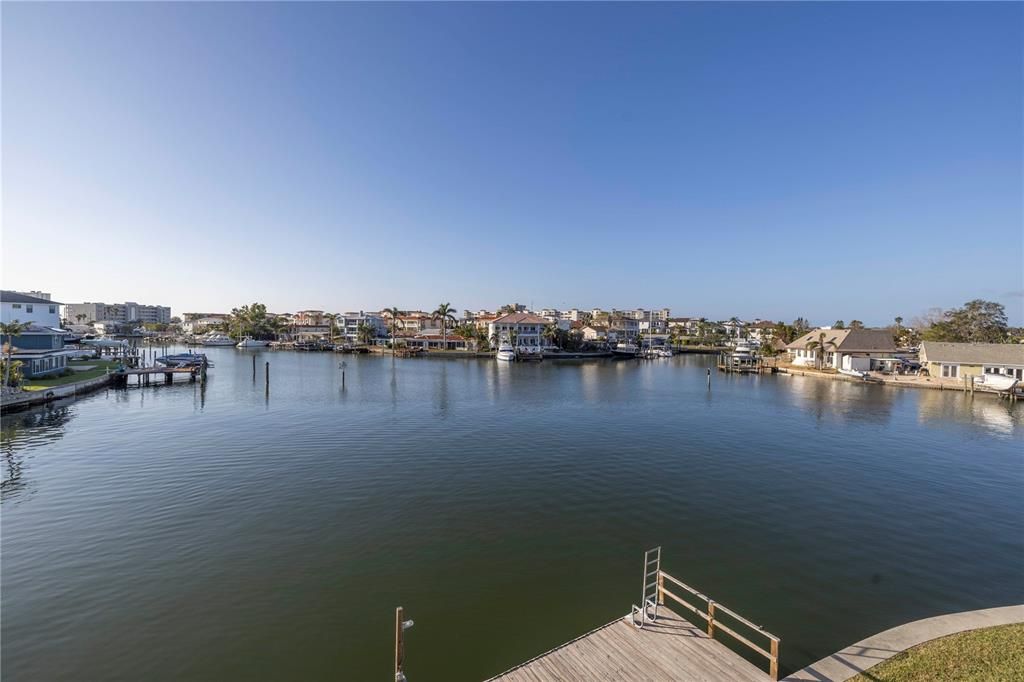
227	532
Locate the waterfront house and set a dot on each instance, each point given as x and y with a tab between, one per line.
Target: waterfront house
761	331
594	332
43	312
850	349
199	323
957	360
436	341
528	328
40	350
349	323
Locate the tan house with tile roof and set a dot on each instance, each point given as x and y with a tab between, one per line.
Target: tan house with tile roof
528	329
851	349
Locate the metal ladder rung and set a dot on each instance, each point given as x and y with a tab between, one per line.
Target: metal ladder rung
648	575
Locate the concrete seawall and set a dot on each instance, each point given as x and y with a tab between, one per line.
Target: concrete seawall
29	398
869	652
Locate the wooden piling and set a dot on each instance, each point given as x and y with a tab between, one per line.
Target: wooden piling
709	379
399	644
711	619
268	377
254	368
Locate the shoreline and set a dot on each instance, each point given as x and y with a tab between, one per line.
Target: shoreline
929	383
867	653
25	399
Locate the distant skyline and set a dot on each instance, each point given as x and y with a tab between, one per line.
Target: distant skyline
773	160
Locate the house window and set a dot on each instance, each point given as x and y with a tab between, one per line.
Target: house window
950	371
16	306
53	310
28	307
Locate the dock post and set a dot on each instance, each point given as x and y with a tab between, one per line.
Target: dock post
268	377
711	619
254	368
773	670
709	379
401	625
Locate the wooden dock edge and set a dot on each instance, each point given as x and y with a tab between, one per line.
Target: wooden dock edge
560	646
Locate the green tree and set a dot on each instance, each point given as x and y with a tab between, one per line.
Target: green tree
445	313
820	346
9	330
839	324
856	324
978	321
550	334
365	332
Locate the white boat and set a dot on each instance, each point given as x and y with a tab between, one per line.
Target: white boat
854	373
625	350
743	349
218	339
104	343
998	382
506	353
664	352
249	342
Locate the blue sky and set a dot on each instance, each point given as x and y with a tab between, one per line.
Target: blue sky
776	159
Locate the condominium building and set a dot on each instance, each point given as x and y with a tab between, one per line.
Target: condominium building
116	312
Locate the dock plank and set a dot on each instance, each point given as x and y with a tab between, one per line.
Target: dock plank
669	649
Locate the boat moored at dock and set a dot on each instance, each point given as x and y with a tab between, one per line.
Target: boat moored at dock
249	342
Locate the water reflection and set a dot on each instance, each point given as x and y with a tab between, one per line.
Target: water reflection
23	431
994	416
844	400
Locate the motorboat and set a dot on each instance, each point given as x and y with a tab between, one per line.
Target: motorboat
854	373
249	342
104	343
184	360
624	349
997	382
218	339
506	353
663	352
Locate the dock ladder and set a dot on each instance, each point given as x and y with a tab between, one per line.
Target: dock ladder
651	595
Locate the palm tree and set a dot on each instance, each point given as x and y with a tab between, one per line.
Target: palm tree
550	333
444	313
80	316
365	332
330	317
820	345
394	314
10	330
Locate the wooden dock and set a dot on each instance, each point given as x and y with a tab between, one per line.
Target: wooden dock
670	648
144	375
652	643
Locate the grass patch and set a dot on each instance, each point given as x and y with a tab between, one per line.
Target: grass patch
989	654
99	368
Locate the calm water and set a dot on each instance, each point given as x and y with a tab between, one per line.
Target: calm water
169	534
